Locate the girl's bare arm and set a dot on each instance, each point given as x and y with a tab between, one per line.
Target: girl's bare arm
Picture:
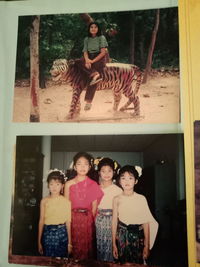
41	225
68	225
114	226
66	188
102	54
94	207
146	240
88	61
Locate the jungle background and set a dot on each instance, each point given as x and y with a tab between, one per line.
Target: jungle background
131	37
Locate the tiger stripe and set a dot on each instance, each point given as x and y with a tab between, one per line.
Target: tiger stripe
117	77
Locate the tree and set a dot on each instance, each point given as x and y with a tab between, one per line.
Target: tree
86	18
132	38
61	36
151	48
34	69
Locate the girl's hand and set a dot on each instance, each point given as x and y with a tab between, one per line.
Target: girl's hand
88	65
40	249
115	251
69	248
145	252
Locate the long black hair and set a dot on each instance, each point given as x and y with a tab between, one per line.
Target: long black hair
85	155
71	173
99	33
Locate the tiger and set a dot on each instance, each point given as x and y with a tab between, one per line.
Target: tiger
116	76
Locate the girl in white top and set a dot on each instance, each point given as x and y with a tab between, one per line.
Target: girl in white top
133	227
103	222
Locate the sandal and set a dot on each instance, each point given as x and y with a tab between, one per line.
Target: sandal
87	106
97	78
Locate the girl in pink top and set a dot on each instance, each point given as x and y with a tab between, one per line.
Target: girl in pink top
84	194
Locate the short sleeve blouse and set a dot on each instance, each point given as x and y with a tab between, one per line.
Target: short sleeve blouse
94	44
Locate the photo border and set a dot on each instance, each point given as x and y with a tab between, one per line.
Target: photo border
189	21
160	138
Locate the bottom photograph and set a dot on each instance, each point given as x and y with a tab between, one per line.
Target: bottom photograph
99	200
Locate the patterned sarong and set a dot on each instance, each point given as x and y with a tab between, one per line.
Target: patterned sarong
82	234
130	243
55	240
104	235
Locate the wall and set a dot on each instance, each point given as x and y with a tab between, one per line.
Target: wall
170	150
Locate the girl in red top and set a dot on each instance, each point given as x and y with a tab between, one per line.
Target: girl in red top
84	194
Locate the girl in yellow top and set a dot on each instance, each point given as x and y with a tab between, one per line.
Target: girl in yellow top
54	233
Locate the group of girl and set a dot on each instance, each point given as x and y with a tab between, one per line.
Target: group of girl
92	220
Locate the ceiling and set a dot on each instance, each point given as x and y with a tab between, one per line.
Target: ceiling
114	143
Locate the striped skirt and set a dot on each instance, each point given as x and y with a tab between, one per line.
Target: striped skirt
130	243
82	230
103	224
55	240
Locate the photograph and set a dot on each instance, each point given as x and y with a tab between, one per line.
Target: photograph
99	200
197	185
110	67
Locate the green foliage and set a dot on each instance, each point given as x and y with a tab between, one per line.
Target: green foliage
61	36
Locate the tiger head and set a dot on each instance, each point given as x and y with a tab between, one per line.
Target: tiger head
59	69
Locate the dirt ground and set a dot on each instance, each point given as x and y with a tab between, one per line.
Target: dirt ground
159	103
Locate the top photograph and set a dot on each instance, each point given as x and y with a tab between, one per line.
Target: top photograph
110	67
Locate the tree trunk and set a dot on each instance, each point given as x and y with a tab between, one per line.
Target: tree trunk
86	18
34	69
151	48
132	41
141	49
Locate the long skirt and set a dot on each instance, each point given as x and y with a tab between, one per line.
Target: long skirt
55	240
130	243
83	233
104	235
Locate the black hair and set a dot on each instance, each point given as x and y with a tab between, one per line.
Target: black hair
56	175
71	173
99	33
106	162
129	169
84	155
